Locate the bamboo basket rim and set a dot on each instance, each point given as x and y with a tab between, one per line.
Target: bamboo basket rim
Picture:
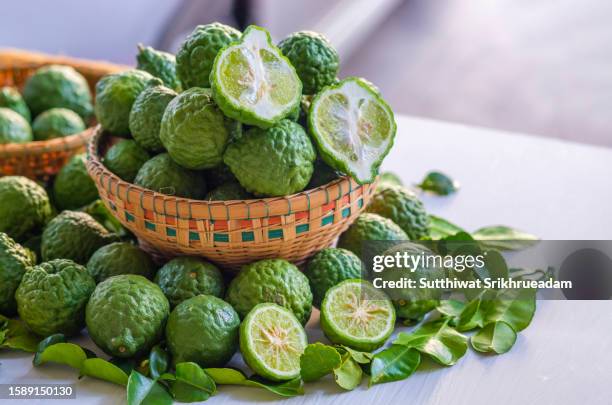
12	60
49	145
190	209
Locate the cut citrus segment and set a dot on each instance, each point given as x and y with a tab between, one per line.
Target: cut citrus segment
253	82
354	128
356	314
272	341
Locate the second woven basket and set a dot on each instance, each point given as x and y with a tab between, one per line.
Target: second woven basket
229	233
40	160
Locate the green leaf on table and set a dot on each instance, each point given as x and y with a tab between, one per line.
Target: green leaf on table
439	183
159	361
145	391
440	227
55	349
516	307
438	340
471	317
289	388
359	357
389	178
103	370
532	274
101	214
226	376
495	337
348	374
68	354
318	360
17	336
190	383
43	344
450	309
504	238
396	363
230	376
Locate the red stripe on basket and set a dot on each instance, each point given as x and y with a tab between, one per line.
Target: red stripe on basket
328	207
220	225
301	215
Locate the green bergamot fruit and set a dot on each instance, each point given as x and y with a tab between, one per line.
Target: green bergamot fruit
115	95
197	53
403	207
185	277
163	175
146	116
369	227
271	280
13	127
24	207
125	158
413	303
329	267
274	162
126	315
14	261
75	236
57	86
204	330
228	191
73	188
57	122
120	258
314	58
11	98
194	131
159	64
252	82
52	296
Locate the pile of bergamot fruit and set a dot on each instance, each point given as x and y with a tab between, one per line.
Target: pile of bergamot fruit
56	102
231	117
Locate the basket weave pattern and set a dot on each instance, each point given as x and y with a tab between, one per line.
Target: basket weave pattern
39	160
230	233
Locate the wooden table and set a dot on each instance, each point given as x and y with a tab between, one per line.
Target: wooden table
553	189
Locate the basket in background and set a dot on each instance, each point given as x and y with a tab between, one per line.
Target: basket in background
229	233
40	160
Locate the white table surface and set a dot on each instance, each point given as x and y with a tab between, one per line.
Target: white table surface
553	189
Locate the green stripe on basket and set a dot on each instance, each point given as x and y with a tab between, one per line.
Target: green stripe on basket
275	234
194	235
113	206
221	237
170	231
346	212
327	220
129	217
150	225
248	236
302	228
360	202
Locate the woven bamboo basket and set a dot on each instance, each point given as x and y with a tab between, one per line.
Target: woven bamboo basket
229	233
40	160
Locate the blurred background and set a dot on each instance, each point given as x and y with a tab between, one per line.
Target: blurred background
541	67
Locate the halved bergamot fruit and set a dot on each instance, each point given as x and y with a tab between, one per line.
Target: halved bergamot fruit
253	82
356	314
272	341
353	127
